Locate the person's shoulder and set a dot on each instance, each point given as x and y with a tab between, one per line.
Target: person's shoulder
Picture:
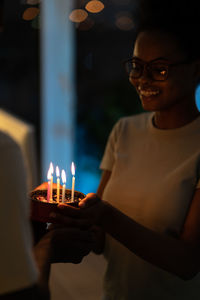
6	140
138	121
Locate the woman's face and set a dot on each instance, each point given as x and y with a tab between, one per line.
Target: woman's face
181	81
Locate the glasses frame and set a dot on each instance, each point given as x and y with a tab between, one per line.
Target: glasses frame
147	66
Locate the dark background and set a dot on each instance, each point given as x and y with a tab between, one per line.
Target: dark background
103	90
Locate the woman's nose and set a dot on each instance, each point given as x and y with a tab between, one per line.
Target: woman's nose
146	75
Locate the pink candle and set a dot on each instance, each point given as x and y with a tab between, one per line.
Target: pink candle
63	175
58	183
73	181
49	184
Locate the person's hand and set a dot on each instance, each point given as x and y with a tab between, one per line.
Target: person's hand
70	244
63	244
90	212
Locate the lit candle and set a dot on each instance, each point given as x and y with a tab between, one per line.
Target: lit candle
73	181
58	183
63	175
51	184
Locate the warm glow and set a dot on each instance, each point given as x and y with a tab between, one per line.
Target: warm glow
51	168
49	174
94	6
33	2
57	171
63	175
78	15
30	13
73	169
124	21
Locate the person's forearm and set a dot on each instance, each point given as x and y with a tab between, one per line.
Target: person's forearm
42	259
173	255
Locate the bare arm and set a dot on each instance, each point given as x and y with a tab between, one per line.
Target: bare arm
179	256
103	182
99	233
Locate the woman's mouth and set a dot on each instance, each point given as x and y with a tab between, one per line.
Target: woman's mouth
148	92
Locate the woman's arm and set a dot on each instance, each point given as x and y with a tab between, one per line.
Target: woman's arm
98	231
179	256
103	182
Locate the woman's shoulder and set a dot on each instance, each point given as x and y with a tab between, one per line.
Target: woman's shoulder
139	121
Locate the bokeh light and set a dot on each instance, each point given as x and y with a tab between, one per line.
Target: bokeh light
124	21
30	13
94	6
78	15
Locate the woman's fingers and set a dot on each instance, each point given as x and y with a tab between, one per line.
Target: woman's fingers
90	200
69	221
70	244
68	210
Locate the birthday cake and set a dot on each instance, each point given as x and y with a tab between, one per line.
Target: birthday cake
41	208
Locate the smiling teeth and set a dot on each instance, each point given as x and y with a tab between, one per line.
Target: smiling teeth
148	93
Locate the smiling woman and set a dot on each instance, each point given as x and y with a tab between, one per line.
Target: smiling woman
148	200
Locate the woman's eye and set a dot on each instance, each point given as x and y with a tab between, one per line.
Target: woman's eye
135	66
160	70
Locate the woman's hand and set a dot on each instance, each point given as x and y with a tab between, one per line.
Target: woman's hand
62	245
70	244
90	212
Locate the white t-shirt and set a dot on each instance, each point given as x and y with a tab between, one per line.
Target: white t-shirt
154	175
17	267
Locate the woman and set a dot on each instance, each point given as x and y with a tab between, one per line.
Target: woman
150	187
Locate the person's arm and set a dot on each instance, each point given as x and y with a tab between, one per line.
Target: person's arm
179	256
98	231
103	182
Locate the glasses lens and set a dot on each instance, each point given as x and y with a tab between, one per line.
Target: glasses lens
159	71
133	68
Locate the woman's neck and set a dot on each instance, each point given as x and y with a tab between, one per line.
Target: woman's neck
175	119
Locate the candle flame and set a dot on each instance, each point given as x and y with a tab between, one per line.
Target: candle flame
73	169
57	171
49	174
51	167
63	175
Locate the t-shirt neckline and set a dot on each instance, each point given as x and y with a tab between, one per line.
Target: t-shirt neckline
188	128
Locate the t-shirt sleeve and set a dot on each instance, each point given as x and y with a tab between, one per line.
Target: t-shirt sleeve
108	159
18	270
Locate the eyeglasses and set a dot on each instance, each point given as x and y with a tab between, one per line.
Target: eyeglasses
158	71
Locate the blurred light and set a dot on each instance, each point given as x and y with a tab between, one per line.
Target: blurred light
124	21
86	25
94	6
197	97
33	2
78	15
30	13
